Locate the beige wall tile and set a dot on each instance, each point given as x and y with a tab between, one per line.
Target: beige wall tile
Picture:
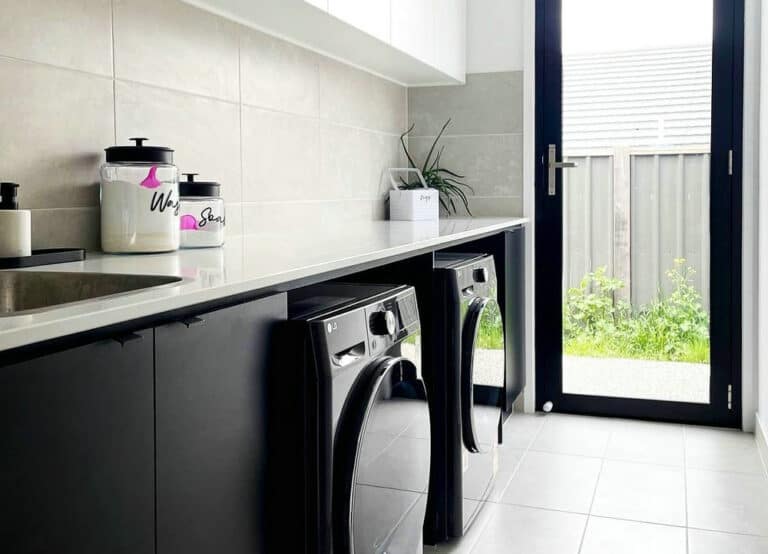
66	228
56	124
490	103
386	153
234	214
495	206
353	97
171	44
353	161
204	133
346	160
286	218
68	33
278	75
492	164
280	157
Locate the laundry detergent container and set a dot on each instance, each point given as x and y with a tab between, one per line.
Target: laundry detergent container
139	199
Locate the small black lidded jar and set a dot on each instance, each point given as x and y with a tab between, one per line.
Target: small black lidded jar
202	219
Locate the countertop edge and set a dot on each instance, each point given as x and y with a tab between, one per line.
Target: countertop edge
149	303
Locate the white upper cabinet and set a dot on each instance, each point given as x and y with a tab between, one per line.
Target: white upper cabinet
371	16
413	28
451	37
413	42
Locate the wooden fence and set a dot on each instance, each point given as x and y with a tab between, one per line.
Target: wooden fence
635	211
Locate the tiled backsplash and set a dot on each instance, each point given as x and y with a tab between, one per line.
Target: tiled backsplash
485	139
296	139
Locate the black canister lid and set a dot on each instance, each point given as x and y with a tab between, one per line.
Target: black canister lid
139	153
190	187
8	196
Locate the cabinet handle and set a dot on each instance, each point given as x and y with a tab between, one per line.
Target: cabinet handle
128	337
192	321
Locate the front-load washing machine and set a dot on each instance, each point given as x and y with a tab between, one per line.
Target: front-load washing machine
350	423
465	383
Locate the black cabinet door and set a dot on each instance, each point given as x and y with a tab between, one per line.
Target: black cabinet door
77	450
211	374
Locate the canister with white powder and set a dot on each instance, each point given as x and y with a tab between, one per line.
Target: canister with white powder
139	199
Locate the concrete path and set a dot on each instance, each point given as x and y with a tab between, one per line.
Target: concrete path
647	379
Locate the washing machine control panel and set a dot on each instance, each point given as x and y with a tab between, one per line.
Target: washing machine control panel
383	322
391	320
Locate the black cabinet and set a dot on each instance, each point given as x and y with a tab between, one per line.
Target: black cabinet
77	450
211	376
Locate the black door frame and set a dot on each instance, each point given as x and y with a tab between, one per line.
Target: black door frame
725	225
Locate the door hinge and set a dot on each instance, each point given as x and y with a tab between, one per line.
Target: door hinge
730	161
730	397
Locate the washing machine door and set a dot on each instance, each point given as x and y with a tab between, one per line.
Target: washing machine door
482	369
381	462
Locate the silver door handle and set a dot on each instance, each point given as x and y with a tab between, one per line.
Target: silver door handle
553	165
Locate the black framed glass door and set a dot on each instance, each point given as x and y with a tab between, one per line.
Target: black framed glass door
638	208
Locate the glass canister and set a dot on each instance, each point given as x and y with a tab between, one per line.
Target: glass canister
202	219
139	199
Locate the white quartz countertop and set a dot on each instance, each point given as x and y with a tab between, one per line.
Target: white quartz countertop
248	263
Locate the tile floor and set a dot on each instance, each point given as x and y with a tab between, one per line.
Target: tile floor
581	485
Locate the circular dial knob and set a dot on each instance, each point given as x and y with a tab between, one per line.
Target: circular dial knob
480	275
383	323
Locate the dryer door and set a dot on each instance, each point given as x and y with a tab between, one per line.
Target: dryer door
381	462
482	368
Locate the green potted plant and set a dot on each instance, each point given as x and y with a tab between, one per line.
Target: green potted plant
449	184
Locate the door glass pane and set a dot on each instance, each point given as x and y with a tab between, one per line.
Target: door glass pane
637	80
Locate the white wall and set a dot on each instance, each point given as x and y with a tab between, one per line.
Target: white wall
750	211
495	30
500	37
762	283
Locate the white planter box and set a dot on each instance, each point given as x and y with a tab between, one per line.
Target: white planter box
413	205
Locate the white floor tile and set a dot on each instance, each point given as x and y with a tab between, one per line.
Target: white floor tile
653	443
465	544
641	492
710	542
554	481
721	450
509	460
611	536
530	531
573	435
730	502
521	429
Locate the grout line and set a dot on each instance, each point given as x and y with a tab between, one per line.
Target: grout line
240	122
720	531
4	57
470	135
519	463
114	69
497	504
594	493
359	199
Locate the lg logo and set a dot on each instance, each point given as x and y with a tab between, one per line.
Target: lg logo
331	327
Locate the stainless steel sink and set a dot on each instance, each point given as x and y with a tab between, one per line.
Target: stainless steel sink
31	291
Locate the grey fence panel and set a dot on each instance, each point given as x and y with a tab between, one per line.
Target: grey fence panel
636	213
587	217
670	220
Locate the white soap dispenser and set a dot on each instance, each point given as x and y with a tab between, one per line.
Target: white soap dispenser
15	224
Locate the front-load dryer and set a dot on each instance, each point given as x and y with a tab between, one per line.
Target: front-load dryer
465	383
350	423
